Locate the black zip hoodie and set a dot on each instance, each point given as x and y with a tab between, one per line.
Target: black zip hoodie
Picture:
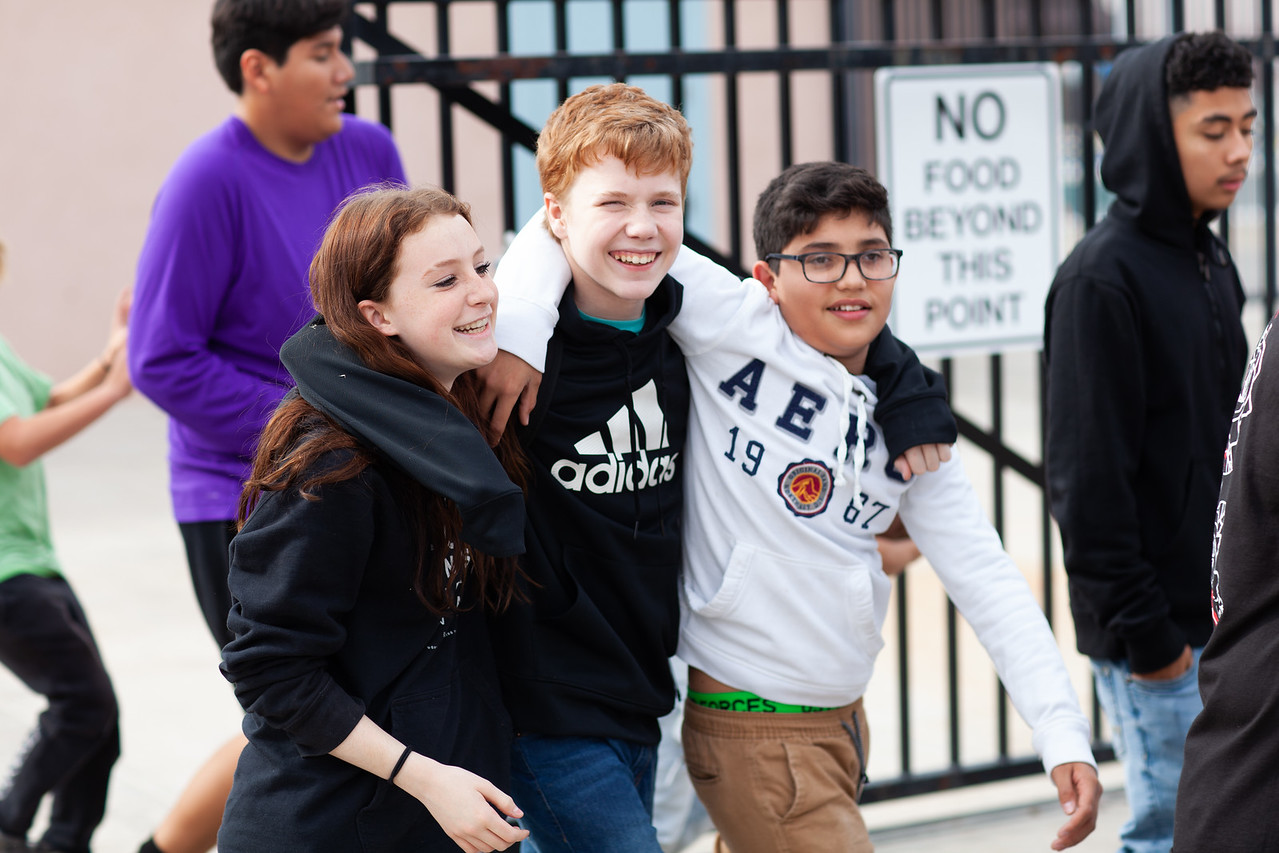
1145	351
587	656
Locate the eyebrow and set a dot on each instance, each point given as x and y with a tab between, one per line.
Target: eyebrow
868	243
1216	118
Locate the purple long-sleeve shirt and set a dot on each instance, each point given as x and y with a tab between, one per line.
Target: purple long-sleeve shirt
222	283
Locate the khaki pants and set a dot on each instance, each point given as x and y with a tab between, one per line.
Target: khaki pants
780	783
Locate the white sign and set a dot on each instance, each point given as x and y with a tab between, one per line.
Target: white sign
970	156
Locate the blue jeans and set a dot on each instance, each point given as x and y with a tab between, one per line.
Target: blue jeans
1148	721
584	795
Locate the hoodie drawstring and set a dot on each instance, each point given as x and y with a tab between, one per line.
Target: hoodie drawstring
859	449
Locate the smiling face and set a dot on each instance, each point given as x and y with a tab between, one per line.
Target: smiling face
1213	132
620	231
840	319
441	302
304	97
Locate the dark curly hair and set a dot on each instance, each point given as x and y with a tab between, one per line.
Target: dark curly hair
1204	62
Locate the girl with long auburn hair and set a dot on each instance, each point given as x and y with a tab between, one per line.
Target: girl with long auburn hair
359	587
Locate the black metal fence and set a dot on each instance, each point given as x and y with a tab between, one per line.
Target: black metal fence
769	82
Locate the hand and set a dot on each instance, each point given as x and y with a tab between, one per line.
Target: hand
1177	668
896	554
465	805
1079	792
119	325
117	377
921	459
504	381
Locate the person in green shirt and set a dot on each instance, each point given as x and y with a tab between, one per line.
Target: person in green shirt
45	639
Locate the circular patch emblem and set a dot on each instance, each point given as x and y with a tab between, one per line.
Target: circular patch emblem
806	487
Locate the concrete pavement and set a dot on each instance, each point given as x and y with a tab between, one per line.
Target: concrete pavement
119	546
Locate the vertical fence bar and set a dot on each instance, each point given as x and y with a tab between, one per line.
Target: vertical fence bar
997	471
448	147
675	35
1178	15
732	93
503	10
619	29
785	124
841	133
381	16
561	45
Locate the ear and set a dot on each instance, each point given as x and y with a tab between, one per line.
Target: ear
763	273
254	65
555	219
376	317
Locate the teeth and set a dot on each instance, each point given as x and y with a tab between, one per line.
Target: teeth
634	258
477	326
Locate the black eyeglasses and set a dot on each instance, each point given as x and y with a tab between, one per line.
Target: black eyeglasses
829	267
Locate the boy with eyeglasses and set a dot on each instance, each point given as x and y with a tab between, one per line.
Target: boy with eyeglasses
584	664
783	594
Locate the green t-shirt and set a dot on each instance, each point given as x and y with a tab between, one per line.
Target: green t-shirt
25	543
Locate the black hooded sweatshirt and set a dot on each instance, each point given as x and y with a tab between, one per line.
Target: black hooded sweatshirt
587	656
1229	787
1145	351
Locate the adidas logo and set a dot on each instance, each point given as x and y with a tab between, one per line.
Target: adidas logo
633	458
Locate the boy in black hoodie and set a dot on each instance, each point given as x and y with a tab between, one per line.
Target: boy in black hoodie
1145	351
584	666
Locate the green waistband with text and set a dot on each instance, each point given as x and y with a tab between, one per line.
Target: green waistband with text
744	700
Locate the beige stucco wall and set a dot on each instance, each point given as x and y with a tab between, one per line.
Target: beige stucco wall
99	100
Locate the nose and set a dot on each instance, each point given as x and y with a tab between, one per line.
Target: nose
641	222
345	70
483	291
852	279
1241	147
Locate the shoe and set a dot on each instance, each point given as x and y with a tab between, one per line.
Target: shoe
13	844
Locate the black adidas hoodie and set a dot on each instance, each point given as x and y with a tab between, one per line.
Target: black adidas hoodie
1145	351
587	656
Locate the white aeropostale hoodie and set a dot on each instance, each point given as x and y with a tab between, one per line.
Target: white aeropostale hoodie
787	485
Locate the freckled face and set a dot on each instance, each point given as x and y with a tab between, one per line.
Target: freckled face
840	319
620	231
442	301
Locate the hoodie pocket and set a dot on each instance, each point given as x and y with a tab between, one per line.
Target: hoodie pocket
768	605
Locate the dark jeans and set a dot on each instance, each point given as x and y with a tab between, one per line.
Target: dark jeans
585	795
45	640
208	557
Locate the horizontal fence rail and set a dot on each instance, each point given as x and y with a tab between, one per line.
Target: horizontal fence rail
728	47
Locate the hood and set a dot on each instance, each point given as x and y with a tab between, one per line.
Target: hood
1140	163
417	429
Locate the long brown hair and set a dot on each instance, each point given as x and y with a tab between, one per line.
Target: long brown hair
358	259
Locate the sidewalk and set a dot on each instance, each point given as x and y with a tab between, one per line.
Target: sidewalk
121	550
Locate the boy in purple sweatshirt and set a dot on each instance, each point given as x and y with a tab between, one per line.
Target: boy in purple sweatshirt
222	278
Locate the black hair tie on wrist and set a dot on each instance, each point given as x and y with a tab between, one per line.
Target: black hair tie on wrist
404	756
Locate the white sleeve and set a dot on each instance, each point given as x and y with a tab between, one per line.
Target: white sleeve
713	295
531	279
944	517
